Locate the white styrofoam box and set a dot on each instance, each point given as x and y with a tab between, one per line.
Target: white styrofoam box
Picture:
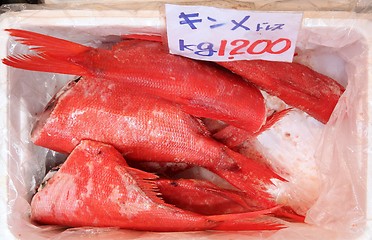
25	93
296	5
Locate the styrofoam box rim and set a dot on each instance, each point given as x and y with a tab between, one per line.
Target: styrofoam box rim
90	18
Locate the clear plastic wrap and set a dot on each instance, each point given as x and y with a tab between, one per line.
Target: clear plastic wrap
329	164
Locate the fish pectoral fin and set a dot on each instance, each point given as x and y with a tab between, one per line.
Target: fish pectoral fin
256	220
146	181
271	120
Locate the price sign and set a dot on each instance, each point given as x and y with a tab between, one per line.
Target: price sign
215	34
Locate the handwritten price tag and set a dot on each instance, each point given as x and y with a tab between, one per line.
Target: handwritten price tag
215	34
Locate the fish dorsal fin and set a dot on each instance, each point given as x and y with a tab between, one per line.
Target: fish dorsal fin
146	181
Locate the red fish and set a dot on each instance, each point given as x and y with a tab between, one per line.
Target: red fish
95	187
205	198
202	89
145	129
294	83
202	197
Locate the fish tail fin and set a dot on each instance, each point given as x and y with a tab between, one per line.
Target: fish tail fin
44	64
52	54
251	176
255	178
257	220
48	45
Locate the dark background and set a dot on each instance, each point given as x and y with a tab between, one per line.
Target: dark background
19	1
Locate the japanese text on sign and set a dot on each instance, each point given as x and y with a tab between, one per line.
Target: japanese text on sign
215	34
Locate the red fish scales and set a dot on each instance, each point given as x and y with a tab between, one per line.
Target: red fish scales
144	128
294	83
95	187
202	197
202	89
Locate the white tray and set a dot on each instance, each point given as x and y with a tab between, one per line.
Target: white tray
23	94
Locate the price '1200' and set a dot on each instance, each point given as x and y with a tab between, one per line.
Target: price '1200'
237	47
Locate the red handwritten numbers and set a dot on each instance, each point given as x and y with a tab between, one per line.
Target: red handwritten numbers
243	46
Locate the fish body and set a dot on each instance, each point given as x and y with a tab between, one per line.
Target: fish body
96	188
202	197
145	129
294	83
203	89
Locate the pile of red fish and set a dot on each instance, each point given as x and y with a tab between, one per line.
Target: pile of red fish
135	107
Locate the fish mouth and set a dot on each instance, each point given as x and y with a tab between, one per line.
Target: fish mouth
42	119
